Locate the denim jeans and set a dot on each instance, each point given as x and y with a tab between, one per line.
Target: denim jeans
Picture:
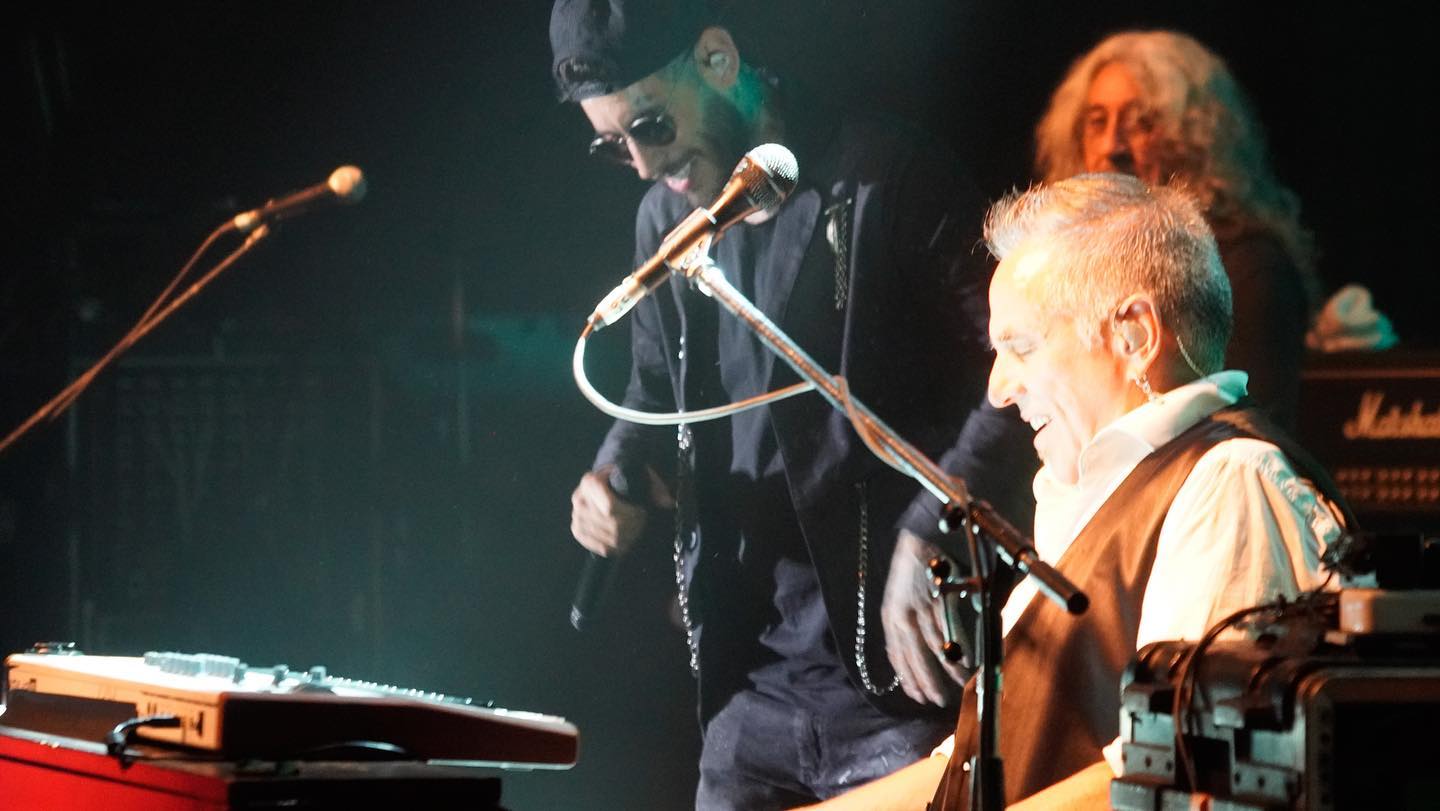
762	753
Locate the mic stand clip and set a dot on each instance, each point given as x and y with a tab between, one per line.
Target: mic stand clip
987	769
949	587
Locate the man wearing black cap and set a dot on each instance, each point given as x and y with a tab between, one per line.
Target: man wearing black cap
787	526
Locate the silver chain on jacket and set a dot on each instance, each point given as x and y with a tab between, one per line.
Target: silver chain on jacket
684	441
861	660
837	233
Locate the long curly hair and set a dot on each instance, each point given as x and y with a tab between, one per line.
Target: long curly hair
1207	135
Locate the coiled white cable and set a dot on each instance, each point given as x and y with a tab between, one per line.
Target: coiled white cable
671	418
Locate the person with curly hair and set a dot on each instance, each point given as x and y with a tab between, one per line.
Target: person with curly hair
1161	106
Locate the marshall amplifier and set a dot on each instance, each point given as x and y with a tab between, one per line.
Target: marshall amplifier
1373	419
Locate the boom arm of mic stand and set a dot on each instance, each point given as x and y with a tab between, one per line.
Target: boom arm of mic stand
987	777
902	455
899	453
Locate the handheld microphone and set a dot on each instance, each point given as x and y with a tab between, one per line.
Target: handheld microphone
345	185
596	577
761	181
598	574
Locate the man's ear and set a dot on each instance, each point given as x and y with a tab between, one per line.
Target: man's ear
1130	334
1137	333
717	58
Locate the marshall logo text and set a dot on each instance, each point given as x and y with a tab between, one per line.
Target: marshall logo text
1370	422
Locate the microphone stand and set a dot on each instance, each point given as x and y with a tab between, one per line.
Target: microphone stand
158	312
974	517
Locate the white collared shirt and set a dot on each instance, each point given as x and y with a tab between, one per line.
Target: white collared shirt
1244	528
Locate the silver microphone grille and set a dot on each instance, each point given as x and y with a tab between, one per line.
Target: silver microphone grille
770	174
348	183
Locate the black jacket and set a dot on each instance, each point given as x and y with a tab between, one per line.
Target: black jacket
908	335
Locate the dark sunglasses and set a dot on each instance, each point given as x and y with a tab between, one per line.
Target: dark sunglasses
650	129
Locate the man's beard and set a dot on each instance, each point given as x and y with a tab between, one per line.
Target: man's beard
725	135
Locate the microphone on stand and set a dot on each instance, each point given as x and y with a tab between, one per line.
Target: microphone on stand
761	181
598	574
345	185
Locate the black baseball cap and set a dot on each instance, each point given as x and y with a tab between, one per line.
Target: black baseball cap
603	46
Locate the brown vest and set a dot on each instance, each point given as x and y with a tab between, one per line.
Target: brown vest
1060	697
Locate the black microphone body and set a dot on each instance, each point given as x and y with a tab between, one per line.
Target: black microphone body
598	573
346	185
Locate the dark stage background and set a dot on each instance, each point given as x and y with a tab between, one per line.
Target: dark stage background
356	449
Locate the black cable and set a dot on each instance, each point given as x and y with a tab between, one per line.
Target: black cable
1189	669
118	740
1182	705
